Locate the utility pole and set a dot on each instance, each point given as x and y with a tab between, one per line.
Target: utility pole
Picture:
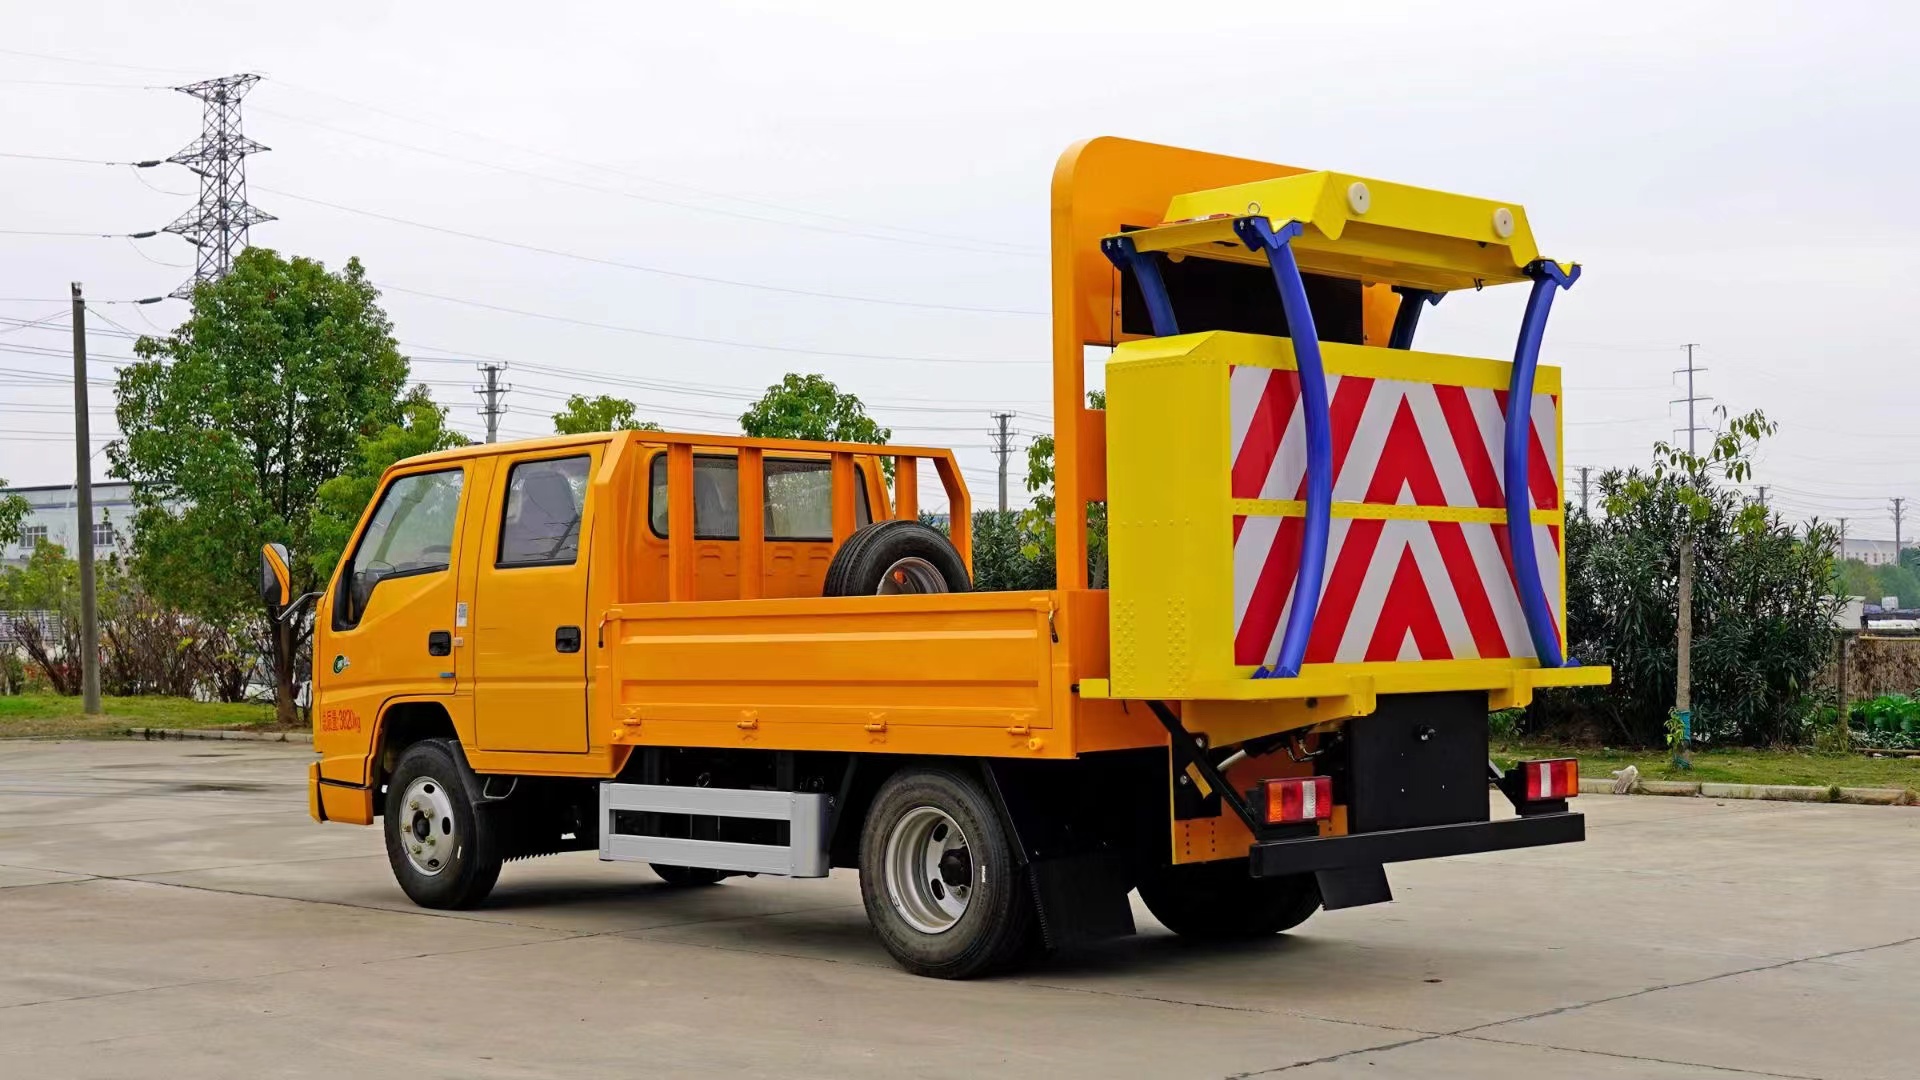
1683	630
218	223
1692	399
1583	490
83	494
491	409
1843	539
1897	513
1003	449
1762	488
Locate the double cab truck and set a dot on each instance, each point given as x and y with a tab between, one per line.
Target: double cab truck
1329	556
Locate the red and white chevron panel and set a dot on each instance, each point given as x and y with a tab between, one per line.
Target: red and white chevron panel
1394	589
1412	443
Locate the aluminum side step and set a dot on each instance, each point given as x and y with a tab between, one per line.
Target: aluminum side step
806	814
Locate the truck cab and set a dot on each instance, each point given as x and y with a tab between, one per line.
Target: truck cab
1331	556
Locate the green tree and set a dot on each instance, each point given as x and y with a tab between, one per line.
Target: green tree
1004	555
811	407
1757	614
1853	577
1038	523
338	503
13	511
602	412
1898	582
234	420
1728	458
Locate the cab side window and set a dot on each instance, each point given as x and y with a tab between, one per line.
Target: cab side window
541	526
411	532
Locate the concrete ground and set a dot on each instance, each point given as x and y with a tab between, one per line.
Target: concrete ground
167	909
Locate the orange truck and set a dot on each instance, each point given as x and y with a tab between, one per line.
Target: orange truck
1330	557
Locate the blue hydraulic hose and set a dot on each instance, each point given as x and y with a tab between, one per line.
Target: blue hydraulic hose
1259	233
1548	279
1145	268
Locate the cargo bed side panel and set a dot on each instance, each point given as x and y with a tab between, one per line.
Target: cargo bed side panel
965	673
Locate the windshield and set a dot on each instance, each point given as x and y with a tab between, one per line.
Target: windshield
411	532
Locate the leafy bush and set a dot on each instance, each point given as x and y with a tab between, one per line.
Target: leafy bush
1762	619
1890	721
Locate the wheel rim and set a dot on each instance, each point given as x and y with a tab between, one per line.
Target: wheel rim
911	575
929	870
427	827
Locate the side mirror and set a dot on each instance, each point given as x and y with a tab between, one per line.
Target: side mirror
276	580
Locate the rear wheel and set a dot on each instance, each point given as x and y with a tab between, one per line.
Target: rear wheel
444	852
939	878
1220	901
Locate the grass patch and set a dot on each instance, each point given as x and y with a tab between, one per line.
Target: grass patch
59	717
1734	766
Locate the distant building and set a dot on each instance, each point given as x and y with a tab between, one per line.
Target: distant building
1871	552
53	518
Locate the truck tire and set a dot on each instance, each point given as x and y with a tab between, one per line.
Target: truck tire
892	557
1220	901
445	852
939	878
682	877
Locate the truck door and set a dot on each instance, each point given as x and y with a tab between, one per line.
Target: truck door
530	607
389	624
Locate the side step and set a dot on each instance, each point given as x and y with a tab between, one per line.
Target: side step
805	854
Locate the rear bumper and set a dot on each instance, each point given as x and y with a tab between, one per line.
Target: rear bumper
1276	858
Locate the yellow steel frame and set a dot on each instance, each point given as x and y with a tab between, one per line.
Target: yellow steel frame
1356	227
1170	523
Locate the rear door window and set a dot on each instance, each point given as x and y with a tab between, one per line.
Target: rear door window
798	494
541	526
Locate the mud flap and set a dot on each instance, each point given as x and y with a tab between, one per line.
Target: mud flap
1353	886
1081	898
1075	852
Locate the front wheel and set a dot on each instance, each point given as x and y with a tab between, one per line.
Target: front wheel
939	877
1220	901
444	852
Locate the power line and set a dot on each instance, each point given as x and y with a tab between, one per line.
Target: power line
644	332
642	268
971	243
80	160
91	63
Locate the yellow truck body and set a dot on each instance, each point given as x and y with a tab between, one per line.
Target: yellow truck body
641	613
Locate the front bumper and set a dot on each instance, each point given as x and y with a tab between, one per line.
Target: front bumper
1277	858
333	800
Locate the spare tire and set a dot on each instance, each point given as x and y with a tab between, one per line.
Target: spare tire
889	558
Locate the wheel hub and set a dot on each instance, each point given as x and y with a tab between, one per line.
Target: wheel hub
928	869
911	575
428	836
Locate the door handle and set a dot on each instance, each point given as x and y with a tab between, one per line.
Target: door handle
566	639
439	643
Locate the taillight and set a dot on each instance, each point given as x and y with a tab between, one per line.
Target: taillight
1299	798
1557	778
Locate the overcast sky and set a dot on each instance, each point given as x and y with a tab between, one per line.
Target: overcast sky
1735	175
